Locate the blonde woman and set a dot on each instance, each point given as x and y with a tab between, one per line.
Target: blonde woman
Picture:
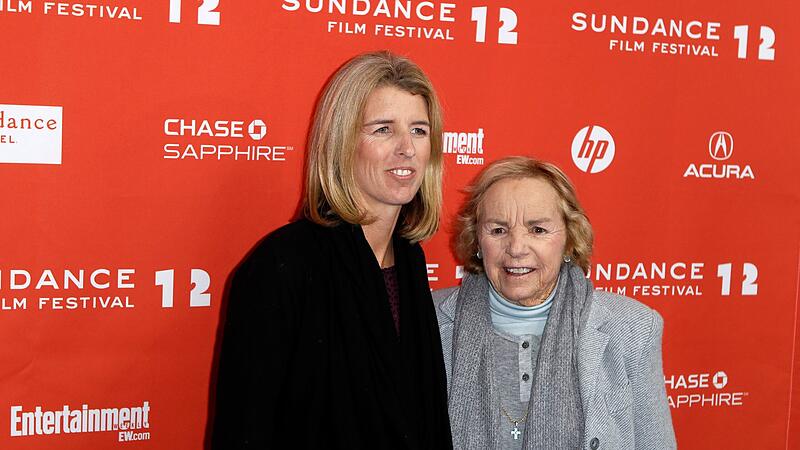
330	339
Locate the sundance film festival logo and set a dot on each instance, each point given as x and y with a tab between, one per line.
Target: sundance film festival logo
113	11
407	19
675	36
593	149
720	148
65	290
698	390
30	134
678	280
101	288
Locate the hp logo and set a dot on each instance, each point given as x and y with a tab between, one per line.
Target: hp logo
593	149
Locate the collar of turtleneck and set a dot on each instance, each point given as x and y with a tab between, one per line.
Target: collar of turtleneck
518	320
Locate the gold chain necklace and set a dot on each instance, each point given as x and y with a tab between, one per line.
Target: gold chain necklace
515	432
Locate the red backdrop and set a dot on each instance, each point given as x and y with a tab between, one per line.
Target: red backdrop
123	218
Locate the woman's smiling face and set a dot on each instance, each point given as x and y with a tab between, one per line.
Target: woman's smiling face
393	150
522	238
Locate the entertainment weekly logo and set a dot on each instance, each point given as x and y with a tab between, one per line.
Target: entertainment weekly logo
703	390
30	134
128	422
674	36
720	148
466	146
67	290
410	19
71	10
220	140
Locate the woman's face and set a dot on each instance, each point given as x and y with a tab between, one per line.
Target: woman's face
392	151
522	237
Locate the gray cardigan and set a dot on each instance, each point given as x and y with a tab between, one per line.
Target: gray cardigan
619	369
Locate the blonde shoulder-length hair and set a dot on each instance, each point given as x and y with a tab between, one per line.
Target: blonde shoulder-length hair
330	189
580	236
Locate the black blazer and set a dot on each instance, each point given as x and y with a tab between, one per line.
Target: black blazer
310	357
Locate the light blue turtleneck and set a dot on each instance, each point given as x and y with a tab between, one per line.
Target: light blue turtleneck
518	320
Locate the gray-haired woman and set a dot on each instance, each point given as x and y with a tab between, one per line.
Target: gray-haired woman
535	357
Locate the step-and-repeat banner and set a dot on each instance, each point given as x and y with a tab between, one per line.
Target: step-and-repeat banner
146	146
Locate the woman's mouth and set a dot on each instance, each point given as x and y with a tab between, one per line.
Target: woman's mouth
402	172
518	271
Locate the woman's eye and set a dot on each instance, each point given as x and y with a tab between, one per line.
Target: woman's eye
539	230
419	131
382	130
497	231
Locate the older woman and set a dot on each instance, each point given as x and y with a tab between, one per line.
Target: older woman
535	357
330	339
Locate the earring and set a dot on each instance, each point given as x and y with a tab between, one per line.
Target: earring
478	255
567	258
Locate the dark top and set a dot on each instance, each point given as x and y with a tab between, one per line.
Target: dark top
310	357
393	291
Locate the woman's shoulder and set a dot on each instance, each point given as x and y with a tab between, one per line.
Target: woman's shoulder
622	306
287	246
625	313
440	295
294	235
444	302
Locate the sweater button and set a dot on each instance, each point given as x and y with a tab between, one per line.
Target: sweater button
594	444
525	377
525	344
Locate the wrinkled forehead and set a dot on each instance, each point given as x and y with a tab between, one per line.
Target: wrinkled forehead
513	199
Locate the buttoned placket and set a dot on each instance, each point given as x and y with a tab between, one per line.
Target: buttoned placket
525	354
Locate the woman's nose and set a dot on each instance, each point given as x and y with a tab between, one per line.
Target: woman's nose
406	146
517	244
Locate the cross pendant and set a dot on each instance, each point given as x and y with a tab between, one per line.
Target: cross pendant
515	432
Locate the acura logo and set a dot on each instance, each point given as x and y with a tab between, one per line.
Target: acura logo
720	146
